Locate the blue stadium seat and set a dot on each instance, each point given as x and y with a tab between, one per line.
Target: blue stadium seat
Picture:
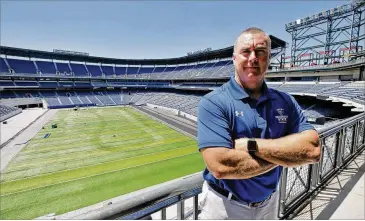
169	69
22	66
79	69
8	94
66	84
159	69
83	84
49	84
3	66
120	70
26	83
132	70
46	67
94	70
98	84
63	68
6	83
146	70
107	70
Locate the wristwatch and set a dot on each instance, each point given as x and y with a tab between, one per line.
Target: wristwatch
252	147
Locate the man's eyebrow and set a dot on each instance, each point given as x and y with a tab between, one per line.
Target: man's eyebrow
261	47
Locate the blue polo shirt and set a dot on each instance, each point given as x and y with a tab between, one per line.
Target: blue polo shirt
228	113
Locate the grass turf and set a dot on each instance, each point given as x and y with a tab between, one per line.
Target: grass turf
94	155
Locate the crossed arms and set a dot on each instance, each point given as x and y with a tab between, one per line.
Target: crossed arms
289	151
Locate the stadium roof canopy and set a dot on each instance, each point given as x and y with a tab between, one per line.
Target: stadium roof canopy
214	54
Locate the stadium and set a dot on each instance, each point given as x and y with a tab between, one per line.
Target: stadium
87	137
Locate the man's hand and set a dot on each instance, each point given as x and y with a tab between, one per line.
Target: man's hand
289	151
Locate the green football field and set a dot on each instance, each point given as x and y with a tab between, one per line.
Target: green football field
93	155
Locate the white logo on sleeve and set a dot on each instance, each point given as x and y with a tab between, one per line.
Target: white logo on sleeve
281	117
239	113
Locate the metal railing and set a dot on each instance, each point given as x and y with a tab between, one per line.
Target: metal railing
340	143
347	64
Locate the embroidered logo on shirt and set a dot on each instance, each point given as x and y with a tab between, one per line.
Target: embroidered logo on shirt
239	113
281	118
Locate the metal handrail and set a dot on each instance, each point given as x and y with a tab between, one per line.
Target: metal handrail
142	204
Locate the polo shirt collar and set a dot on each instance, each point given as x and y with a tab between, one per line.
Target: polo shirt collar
239	93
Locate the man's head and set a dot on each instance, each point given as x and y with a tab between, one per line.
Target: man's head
251	57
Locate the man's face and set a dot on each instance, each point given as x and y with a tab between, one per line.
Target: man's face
251	60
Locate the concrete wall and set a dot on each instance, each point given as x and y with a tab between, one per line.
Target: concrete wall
176	112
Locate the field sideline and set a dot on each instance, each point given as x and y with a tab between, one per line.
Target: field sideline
95	154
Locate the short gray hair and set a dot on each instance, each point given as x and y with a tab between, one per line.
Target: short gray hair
253	30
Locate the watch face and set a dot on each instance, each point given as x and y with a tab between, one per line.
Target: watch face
252	146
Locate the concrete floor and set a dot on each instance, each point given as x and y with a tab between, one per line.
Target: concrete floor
342	198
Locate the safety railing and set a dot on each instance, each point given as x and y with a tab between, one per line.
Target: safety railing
340	143
346	64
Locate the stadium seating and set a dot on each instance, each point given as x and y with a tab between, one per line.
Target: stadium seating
186	102
63	68
49	84
94	70
83	84
131	71
46	67
79	69
22	66
26	83
6	83
5	110
64	98
107	70
98	84
3	66
67	84
295	88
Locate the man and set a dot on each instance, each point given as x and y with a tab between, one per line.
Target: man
247	133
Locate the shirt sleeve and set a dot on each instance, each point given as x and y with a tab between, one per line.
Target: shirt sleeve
298	122
213	126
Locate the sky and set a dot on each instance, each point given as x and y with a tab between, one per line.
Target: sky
144	29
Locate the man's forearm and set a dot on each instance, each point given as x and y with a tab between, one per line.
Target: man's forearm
289	151
235	164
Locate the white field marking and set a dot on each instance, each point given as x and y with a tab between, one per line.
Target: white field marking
147	147
88	138
60	171
89	165
66	119
129	117
41	142
20	159
173	140
37	142
111	128
96	175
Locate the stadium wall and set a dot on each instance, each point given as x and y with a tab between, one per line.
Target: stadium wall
70	106
177	112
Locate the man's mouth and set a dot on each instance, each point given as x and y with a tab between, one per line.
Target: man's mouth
252	68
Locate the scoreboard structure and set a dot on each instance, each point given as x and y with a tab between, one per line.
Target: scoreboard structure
327	37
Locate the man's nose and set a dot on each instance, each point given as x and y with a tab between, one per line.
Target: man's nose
253	58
